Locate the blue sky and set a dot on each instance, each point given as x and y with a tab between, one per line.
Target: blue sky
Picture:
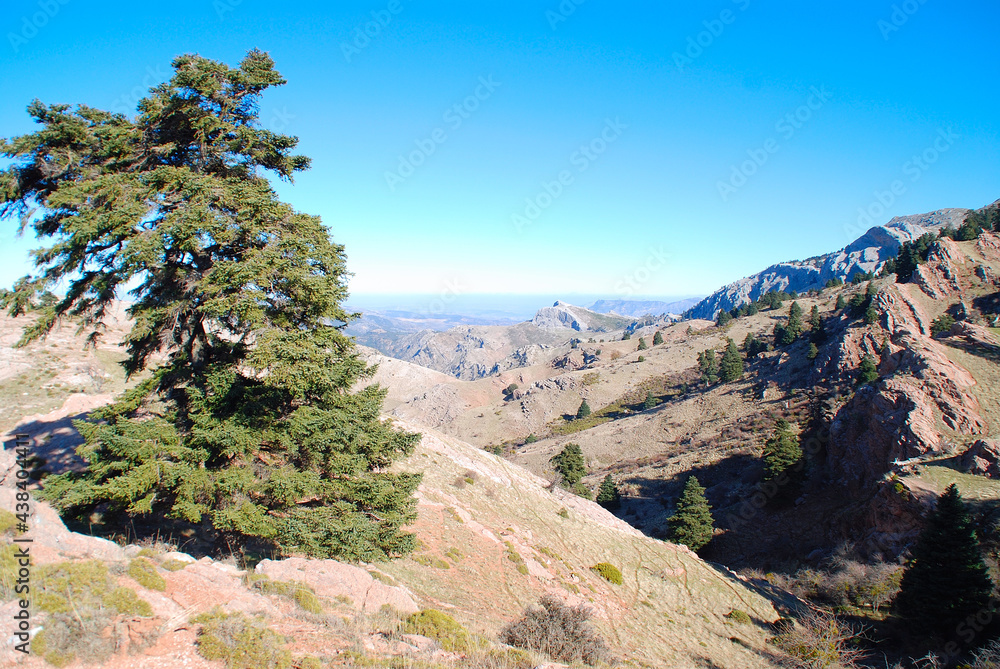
620	149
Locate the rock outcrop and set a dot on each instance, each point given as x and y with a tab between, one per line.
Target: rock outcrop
866	254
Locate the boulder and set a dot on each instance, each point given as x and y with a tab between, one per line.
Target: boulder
332	579
983	458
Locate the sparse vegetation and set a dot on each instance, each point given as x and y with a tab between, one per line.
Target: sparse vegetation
942	325
608	495
561	632
608	572
867	371
299	592
143	571
240	642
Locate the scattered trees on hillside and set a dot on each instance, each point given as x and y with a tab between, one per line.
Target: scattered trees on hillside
571	467
584	410
841	302
786	334
642	345
723	319
250	425
608	495
692	522
753	346
657	338
626	336
946	581
731	367
909	256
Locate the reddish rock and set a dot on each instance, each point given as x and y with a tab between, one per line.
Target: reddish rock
983	458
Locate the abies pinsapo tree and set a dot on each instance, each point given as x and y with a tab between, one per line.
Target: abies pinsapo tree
249	423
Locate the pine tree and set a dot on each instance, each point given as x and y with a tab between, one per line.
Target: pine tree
250	425
813	351
815	322
793	328
570	465
649	402
608	495
723	319
781	452
867	371
692	521
946	580
642	345
708	366
731	367
626	336
657	338
841	302
584	410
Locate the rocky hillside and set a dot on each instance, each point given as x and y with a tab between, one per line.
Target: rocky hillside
493	539
640	308
865	254
563	315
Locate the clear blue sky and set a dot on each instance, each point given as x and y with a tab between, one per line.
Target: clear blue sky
644	203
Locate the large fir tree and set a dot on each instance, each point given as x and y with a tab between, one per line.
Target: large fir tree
731	367
248	423
781	451
946	580
570	465
692	521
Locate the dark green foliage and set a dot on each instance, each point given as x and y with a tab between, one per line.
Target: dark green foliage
731	367
813	351
815	322
942	325
657	338
530	439
871	315
752	309
608	495
860	277
772	299
250	427
584	410
708	366
569	464
692	521
841	302
626	336
562	632
792	329
753	346
833	283
946	580
867	371
642	345
441	627
862	305
911	254
508	392
781	452
649	402
724	318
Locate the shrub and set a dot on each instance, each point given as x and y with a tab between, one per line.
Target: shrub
439	626
820	641
81	600
642	344
641	358
867	371
942	325
144	573
240	642
299	592
8	521
657	338
608	572
530	439
741	617
590	378
562	632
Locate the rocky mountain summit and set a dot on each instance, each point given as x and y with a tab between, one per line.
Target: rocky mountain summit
640	308
865	254
564	315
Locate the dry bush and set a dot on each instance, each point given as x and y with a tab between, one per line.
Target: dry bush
987	657
561	632
819	641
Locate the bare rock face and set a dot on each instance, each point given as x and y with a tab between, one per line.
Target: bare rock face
983	458
332	579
